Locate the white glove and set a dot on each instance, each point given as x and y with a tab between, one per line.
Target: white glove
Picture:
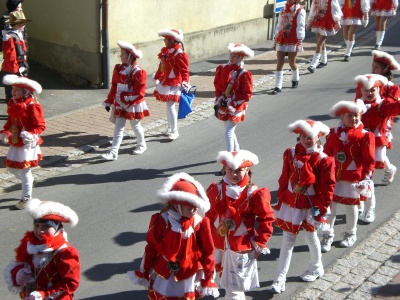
23	276
365	22
27	137
34	296
4	137
230	107
186	85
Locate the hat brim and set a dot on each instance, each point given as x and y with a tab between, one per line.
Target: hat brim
18	22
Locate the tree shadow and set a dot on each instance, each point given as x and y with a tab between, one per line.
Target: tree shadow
127	295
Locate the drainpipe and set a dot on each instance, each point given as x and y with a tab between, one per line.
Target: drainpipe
105	44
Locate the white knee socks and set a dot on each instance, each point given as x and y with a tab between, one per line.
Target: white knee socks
295	75
278	79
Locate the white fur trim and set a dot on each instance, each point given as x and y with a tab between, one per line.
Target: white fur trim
200	200
234	161
393	64
8	278
312	131
29	83
178	36
208	291
38	209
240	48
368	80
355	107
128	46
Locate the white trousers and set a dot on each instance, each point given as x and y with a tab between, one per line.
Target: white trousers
172	116
230	136
285	254
26	177
351	218
119	133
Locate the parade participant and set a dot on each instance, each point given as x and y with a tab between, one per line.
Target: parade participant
22	131
353	149
172	75
46	266
236	206
126	98
14	49
381	10
305	193
233	89
178	262
324	20
355	13
289	35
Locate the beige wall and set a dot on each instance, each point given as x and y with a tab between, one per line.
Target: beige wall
66	34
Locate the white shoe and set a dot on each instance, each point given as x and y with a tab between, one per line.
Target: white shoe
326	243
348	240
369	215
310	276
140	149
110	156
22	203
277	287
173	135
168	132
389	176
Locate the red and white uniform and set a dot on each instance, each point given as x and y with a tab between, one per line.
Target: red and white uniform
353	11
12	62
241	92
172	237
323	16
56	271
127	92
354	153
172	72
290	28
375	120
386	8
313	170
25	116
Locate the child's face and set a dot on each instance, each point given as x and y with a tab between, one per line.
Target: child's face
19	7
307	141
369	95
17	92
187	211
39	229
234	58
235	176
169	42
378	68
125	57
350	119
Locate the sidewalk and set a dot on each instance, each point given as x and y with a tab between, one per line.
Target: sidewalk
372	264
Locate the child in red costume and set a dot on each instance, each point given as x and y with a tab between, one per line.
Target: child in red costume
126	97
172	76
304	196
381	10
22	132
353	149
46	266
178	262
236	205
233	89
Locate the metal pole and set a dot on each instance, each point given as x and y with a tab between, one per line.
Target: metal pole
105	44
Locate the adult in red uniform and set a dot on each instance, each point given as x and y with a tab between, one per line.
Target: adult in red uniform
172	75
233	89
46	266
22	132
381	10
305	193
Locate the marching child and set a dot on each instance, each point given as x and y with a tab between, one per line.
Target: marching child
233	89
178	262
172	76
324	20
46	266
25	124
381	10
305	193
289	35
126	98
353	149
236	205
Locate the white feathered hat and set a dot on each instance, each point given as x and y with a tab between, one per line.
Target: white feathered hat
53	211
176	34
130	48
309	127
386	59
369	81
23	82
181	188
240	49
353	107
237	159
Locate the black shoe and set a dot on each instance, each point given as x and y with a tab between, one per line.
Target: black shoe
377	47
311	69
346	57
321	65
276	91
295	84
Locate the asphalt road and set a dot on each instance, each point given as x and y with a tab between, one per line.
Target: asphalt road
114	200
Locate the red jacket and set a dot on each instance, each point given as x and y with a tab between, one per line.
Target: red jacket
12	62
